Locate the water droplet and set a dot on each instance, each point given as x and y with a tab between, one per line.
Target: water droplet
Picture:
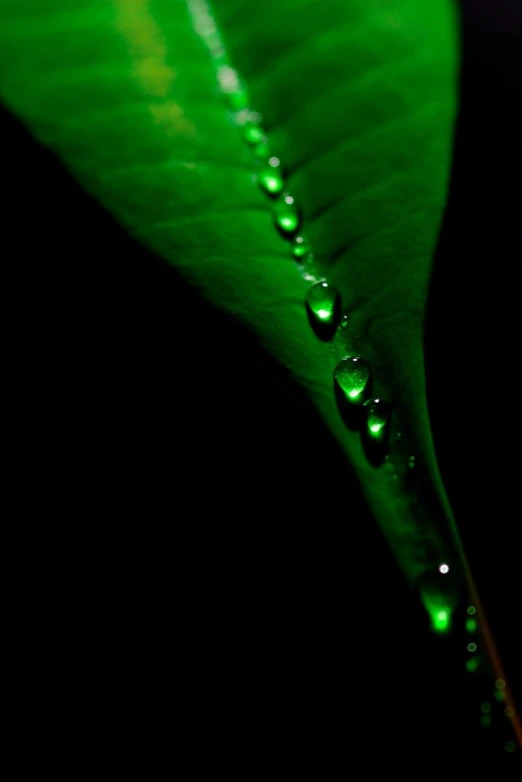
300	248
510	746
323	302
471	610
377	419
286	216
509	711
472	647
344	322
500	684
485	721
444	568
253	134
485	708
271	181
353	378
274	162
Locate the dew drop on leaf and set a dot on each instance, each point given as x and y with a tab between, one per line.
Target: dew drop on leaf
377	419
300	248
352	377
322	301
271	181
286	215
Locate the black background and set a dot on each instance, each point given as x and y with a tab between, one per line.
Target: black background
216	559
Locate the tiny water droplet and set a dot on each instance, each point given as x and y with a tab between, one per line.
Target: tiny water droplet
485	708
286	216
271	181
471	610
344	322
253	134
510	746
472	664
472	647
509	711
274	162
353	377
377	419
322	301
300	248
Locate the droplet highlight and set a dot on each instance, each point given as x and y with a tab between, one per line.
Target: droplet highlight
323	302
286	216
300	248
271	181
378	417
352	377
253	134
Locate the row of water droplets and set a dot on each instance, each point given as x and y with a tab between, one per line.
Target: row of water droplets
352	374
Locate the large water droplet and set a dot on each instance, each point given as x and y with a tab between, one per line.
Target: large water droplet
300	248
286	215
353	378
323	305
378	414
271	181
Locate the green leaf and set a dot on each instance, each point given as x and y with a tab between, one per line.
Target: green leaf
358	100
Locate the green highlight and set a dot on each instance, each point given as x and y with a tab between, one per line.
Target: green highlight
253	134
485	721
271	181
441	620
471	625
300	248
286	215
353	378
472	664
323	302
378	419
500	695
